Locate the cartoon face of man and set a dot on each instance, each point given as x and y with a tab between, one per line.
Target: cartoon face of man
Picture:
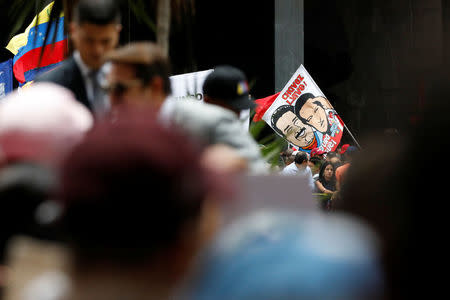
294	130
313	112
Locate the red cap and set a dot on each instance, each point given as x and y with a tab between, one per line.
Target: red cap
262	105
344	148
317	151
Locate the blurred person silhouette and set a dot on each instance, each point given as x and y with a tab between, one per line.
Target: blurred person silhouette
300	168
341	171
23	187
326	183
40	124
287	157
227	87
314	164
139	77
317	152
399	198
223	158
94	30
330	155
333	157
287	255
136	208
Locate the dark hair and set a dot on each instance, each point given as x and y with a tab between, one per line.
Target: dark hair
23	187
316	160
129	192
146	58
300	157
332	154
159	68
280	111
322	170
300	102
99	12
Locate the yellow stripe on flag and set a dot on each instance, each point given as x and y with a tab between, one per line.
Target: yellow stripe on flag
21	39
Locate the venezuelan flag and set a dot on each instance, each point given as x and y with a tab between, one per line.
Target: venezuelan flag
28	46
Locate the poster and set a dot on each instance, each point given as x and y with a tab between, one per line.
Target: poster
303	116
189	85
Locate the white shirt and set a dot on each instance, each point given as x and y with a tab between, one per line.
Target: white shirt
102	105
293	170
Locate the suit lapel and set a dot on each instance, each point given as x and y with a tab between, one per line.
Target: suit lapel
77	83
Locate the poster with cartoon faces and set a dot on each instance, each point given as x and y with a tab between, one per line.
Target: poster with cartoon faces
303	116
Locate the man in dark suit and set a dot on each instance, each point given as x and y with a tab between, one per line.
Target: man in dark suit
94	30
139	77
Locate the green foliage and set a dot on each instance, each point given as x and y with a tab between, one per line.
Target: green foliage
271	145
140	11
19	13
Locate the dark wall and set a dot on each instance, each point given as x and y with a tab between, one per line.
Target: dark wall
373	59
240	33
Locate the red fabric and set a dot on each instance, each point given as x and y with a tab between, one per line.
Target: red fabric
262	105
53	53
340	173
22	146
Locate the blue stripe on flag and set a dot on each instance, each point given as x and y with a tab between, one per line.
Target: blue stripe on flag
36	37
31	74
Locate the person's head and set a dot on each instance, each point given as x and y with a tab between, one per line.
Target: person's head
350	153
336	161
283	255
301	158
342	149
314	164
287	124
40	124
330	155
23	187
139	75
287	156
95	29
386	188
317	152
133	194
227	87
311	110
327	171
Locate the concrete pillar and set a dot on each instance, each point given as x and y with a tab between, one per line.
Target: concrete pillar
289	39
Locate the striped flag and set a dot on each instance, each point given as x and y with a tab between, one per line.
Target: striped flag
6	80
28	46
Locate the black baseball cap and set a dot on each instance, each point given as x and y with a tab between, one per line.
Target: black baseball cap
228	84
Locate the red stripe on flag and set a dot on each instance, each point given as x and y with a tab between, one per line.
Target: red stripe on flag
53	53
262	105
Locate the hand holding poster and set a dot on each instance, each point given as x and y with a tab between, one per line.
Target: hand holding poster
303	116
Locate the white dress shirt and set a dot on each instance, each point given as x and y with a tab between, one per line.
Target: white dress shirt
101	105
293	170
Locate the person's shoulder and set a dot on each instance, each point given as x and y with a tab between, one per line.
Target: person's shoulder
60	74
343	167
202	113
206	110
289	169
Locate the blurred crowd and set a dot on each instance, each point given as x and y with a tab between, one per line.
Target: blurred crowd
111	189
